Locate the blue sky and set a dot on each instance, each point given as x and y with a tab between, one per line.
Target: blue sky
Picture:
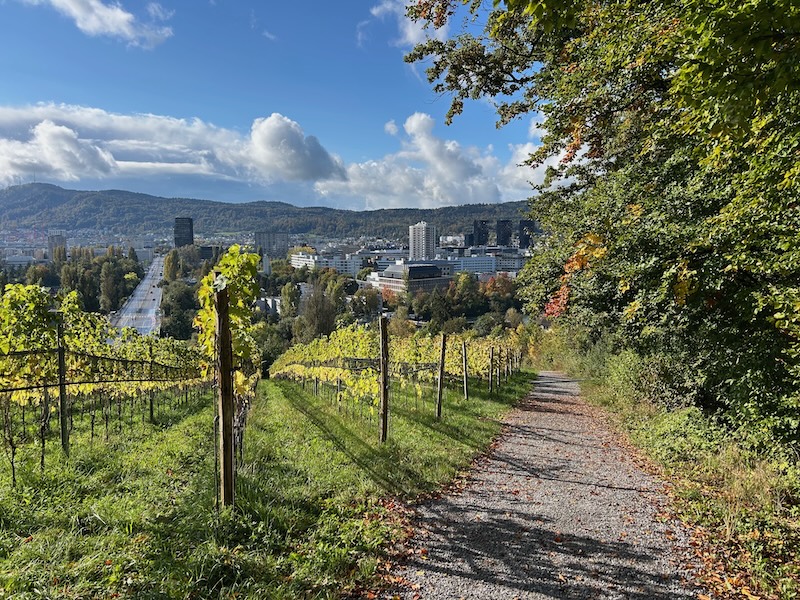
235	100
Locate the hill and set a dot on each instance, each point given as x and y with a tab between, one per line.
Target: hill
48	206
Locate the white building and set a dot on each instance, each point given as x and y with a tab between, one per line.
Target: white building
422	241
349	263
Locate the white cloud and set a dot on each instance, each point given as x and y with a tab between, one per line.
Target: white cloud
390	127
69	143
361	33
279	147
275	158
270	36
410	32
158	12
55	151
95	18
536	130
429	171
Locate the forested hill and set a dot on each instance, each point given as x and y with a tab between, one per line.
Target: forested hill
49	206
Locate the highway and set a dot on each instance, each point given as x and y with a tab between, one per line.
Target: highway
142	311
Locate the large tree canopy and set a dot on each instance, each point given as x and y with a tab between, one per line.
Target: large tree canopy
672	131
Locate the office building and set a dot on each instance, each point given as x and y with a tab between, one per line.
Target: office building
480	232
504	231
527	228
422	241
274	244
405	278
184	231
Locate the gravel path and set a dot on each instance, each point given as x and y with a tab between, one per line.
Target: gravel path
558	510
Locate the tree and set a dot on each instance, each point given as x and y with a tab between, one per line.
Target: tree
319	316
670	141
399	325
290	298
132	254
171	265
178	308
365	303
364	273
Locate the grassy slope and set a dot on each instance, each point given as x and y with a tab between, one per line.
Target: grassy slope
137	519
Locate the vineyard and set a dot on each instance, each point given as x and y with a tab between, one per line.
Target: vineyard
345	368
122	473
65	365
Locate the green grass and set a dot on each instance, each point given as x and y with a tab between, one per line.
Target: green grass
136	518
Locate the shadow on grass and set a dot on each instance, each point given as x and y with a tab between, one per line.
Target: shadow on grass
467	427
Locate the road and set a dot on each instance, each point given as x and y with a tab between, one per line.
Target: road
142	311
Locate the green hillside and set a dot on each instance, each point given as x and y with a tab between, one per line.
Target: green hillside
49	206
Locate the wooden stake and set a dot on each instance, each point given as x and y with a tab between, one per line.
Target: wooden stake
63	403
466	373
440	382
225	400
384	383
491	367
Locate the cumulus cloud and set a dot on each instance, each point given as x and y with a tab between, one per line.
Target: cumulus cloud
410	33
275	157
69	143
279	146
55	151
95	18
430	172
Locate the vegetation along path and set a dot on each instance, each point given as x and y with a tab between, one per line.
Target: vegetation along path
557	510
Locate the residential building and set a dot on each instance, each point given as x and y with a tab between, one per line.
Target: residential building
349	263
422	241
274	244
55	238
184	231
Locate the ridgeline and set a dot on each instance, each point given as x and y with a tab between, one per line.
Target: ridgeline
47	206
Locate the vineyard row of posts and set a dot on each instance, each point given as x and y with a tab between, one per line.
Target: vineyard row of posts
346	360
59	361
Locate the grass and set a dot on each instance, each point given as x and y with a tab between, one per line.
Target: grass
315	515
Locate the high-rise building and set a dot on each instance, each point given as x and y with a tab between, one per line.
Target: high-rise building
56	238
421	241
469	239
504	231
274	244
480	229
527	228
184	231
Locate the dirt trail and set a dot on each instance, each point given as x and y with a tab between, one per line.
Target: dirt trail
557	510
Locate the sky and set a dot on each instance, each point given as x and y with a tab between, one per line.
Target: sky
309	103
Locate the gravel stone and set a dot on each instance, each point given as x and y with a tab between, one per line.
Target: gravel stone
557	510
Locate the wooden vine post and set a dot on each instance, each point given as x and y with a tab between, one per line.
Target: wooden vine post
440	381
384	382
491	366
499	360
63	404
466	373
225	400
